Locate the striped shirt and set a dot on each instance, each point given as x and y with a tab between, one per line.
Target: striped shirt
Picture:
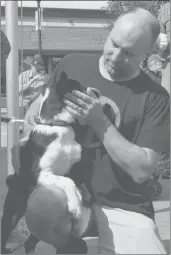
36	86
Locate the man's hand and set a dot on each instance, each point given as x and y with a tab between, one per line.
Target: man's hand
87	107
37	77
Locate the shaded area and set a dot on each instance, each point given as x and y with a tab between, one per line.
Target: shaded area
167	245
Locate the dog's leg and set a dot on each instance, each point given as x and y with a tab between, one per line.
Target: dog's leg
14	209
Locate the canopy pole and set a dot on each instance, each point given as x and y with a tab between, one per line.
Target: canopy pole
12	79
39	28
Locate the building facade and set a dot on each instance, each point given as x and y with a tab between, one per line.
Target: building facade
63	31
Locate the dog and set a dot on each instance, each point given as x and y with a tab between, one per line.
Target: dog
53	154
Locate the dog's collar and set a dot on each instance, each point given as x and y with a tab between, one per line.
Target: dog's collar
51	122
32	120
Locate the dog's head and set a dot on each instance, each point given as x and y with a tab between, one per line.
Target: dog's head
53	108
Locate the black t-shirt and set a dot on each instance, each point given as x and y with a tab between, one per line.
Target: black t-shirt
141	113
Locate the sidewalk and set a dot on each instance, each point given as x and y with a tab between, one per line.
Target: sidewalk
162	209
162	216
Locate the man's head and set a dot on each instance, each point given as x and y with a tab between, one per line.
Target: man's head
37	64
47	215
130	41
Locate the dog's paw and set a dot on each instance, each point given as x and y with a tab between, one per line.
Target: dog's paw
74	200
74	205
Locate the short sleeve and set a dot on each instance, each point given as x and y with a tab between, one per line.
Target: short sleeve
155	130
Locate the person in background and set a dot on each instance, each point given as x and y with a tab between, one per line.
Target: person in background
31	83
164	43
154	67
157	66
164	51
24	67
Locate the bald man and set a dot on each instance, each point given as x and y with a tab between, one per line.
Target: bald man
48	219
128	128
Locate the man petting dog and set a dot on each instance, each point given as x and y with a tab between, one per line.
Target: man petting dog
131	141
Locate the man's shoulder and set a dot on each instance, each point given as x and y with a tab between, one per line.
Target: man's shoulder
157	98
151	86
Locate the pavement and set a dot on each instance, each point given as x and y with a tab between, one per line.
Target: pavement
162	209
162	212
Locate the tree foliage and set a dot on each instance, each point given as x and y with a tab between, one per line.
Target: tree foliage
118	7
115	8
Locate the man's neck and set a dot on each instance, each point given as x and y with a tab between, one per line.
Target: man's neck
107	76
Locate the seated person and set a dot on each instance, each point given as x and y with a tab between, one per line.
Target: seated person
31	83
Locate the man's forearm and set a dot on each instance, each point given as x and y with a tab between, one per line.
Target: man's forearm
131	158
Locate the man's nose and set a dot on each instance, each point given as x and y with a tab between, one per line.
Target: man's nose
117	55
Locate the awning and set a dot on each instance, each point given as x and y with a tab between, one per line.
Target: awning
63	38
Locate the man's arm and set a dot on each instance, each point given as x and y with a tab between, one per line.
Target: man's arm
32	111
138	162
25	86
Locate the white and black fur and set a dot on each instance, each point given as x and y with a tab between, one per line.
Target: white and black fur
53	155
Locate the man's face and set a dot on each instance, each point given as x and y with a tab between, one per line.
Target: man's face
126	47
37	67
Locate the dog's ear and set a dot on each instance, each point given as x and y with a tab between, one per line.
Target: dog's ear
66	85
62	86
